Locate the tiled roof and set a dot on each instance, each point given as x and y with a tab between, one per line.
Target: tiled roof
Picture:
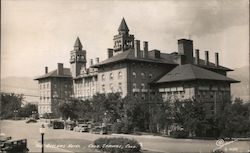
190	72
66	74
129	55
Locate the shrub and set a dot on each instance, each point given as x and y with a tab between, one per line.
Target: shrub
179	134
117	127
117	145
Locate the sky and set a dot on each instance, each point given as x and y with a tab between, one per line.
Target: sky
39	33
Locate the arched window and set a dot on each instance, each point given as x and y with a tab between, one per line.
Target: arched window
119	75
103	88
142	86
111	76
143	75
103	77
134	75
150	75
111	87
134	85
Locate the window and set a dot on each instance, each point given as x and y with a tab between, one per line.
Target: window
150	75
119	75
142	86
111	76
134	75
103	77
143	75
103	88
120	87
134	85
111	86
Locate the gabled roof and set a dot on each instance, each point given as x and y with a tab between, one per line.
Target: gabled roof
66	74
129	55
190	72
123	26
78	43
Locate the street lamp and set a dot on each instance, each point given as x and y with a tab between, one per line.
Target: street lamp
42	131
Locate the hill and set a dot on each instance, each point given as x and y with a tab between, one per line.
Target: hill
241	89
24	85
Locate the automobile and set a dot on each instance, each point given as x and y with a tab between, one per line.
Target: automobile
31	120
70	125
56	124
81	128
99	130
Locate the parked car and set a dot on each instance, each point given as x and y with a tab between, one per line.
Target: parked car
70	125
56	124
81	128
99	130
31	120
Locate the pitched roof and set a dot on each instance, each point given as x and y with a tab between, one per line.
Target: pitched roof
123	26
66	74
190	72
129	55
78	43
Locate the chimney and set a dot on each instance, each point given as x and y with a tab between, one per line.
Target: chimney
206	58
145	49
137	49
91	62
197	56
216	59
185	47
97	60
46	70
110	52
59	68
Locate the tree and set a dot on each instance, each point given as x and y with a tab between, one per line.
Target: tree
10	104
191	115
69	109
28	110
234	121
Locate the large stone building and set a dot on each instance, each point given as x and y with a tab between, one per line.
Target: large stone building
135	71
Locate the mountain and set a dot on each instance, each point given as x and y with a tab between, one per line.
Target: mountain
29	87
240	89
24	85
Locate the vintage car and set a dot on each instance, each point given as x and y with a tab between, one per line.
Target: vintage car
56	124
70	125
81	128
13	146
31	120
99	130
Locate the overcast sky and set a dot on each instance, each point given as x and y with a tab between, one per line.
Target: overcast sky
39	33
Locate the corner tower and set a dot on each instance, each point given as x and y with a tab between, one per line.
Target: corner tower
77	58
123	41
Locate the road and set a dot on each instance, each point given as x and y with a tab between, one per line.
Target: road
20	130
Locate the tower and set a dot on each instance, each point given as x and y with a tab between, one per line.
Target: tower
123	41
77	58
